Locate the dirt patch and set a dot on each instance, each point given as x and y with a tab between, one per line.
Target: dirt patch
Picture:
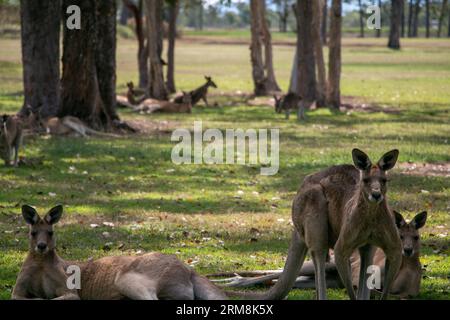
426	169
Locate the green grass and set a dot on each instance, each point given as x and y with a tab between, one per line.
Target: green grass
193	211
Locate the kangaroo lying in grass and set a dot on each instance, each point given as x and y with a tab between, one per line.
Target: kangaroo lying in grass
199	93
407	281
10	139
148	277
153	106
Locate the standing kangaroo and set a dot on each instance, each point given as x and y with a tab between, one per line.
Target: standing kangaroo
148	277
10	139
406	282
199	93
343	207
288	102
132	94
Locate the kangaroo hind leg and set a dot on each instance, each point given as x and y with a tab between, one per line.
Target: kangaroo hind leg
136	286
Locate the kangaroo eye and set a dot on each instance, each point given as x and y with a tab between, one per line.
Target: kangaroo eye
33	233
50	233
416	238
401	237
366	180
384	180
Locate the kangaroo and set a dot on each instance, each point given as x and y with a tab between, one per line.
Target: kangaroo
132	93
406	282
152	106
148	277
199	93
10	139
288	102
343	207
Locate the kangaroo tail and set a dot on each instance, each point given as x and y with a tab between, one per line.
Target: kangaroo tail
205	289
294	262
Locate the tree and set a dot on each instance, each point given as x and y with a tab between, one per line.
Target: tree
156	87
283	13
317	7
416	18
334	63
142	55
410	19
427	18
173	13
361	19
394	32
124	14
262	68
324	21
40	32
89	62
441	17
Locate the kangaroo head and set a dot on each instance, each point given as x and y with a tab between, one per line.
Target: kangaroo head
409	232
277	104
187	97
210	82
41	229
373	176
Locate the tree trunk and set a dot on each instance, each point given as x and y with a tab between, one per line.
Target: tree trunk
448	31
88	81
293	85
427	18
262	68
441	17
334	67
324	22
157	88
142	55
318	50
40	31
416	19
124	14
410	19
394	32
305	47
283	14
173	13
403	27
361	20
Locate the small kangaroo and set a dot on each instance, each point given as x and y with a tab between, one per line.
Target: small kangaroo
152	106
148	277
288	102
11	132
343	207
406	282
132	94
199	93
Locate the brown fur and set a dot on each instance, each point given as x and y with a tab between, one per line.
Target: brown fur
132	95
199	93
148	277
10	139
154	106
288	102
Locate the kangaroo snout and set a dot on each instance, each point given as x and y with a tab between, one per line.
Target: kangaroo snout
376	196
41	246
408	252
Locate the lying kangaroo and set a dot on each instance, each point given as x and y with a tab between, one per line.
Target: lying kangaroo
406	282
343	207
152	106
199	93
148	277
288	102
10	139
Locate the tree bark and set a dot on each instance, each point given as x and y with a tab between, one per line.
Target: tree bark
173	13
40	32
410	18
361	20
441	18
334	67
262	68
88	81
124	14
324	22
416	19
403	27
142	55
394	32
427	18
283	15
317	6
157	87
305	47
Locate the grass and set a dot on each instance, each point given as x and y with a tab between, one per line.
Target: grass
198	211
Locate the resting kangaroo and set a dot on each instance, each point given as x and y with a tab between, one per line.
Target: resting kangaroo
343	207
10	139
199	93
148	277
288	102
132	93
152	106
407	281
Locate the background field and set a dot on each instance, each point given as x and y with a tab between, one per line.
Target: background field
224	218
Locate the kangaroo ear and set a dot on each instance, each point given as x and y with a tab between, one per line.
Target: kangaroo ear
419	220
54	215
361	160
387	162
399	220
30	215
